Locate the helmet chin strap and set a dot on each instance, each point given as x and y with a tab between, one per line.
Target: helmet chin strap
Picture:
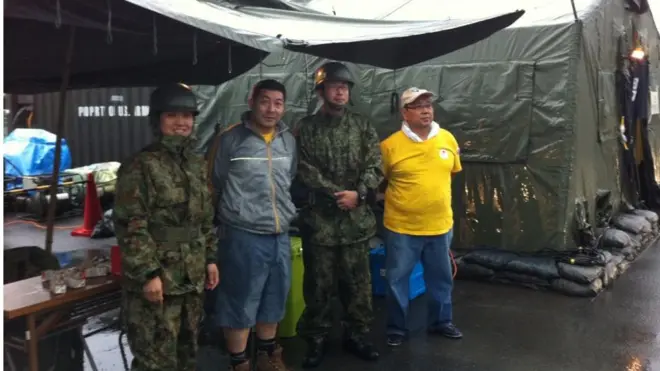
154	123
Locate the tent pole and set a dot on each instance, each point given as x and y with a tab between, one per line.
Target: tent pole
66	72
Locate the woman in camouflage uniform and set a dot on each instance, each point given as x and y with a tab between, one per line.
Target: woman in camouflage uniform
164	224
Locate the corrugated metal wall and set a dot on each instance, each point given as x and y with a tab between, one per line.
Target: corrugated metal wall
102	125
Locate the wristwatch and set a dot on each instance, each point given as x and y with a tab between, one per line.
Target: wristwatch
362	196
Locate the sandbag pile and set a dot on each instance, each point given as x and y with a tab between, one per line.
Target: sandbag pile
585	274
630	233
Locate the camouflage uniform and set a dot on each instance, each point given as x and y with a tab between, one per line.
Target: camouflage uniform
164	224
337	154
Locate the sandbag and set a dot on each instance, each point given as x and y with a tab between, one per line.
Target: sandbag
636	240
630	253
623	266
470	270
490	258
576	289
541	267
617	258
614	238
579	274
105	228
523	279
649	215
601	258
610	273
606	255
635	224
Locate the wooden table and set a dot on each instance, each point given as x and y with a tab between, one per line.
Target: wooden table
45	312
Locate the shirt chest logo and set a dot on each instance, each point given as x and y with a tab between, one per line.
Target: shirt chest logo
444	154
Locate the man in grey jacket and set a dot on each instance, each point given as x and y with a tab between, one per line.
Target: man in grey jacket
253	164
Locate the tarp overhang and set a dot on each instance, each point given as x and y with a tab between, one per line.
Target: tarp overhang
116	44
379	43
537	12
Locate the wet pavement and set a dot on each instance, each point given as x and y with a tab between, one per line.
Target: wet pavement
506	329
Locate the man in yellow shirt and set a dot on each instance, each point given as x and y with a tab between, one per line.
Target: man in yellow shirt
419	161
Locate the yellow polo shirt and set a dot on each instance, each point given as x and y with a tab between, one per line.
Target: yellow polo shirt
418	195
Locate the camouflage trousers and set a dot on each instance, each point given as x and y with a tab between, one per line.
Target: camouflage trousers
163	337
336	271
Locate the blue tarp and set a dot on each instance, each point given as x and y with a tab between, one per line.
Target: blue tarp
32	152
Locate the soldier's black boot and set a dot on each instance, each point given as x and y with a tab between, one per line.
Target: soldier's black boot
361	348
316	349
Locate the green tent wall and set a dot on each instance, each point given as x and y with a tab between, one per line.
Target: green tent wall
534	108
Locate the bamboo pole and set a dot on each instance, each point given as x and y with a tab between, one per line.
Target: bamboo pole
66	73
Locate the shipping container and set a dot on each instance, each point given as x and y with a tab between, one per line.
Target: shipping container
101	125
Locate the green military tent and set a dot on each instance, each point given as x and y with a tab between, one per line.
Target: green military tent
536	108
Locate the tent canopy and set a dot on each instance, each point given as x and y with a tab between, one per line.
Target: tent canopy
147	42
537	12
116	44
380	43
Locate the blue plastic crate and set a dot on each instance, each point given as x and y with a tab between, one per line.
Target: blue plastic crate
378	283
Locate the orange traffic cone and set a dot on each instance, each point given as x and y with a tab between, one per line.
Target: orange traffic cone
93	211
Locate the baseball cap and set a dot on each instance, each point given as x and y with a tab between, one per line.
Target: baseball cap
411	94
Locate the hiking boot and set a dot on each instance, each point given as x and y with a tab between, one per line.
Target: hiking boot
361	349
449	331
316	348
271	362
245	366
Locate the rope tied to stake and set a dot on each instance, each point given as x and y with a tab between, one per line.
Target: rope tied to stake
58	15
194	48
155	29
109	35
229	65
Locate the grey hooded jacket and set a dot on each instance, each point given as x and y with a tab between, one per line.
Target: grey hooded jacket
252	178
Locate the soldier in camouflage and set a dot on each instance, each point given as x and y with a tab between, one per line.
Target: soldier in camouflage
340	165
163	217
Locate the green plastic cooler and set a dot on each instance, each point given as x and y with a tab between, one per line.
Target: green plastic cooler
295	303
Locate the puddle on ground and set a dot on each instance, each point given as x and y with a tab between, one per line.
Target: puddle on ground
104	345
105	348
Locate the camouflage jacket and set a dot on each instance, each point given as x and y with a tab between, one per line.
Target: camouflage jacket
338	154
163	217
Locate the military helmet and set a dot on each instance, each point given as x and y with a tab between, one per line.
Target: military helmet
332	71
173	98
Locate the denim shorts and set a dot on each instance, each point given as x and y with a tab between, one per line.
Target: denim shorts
255	277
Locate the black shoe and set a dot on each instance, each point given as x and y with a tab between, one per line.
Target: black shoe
449	331
394	340
361	349
316	349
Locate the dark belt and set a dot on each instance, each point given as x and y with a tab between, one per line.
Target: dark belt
174	234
